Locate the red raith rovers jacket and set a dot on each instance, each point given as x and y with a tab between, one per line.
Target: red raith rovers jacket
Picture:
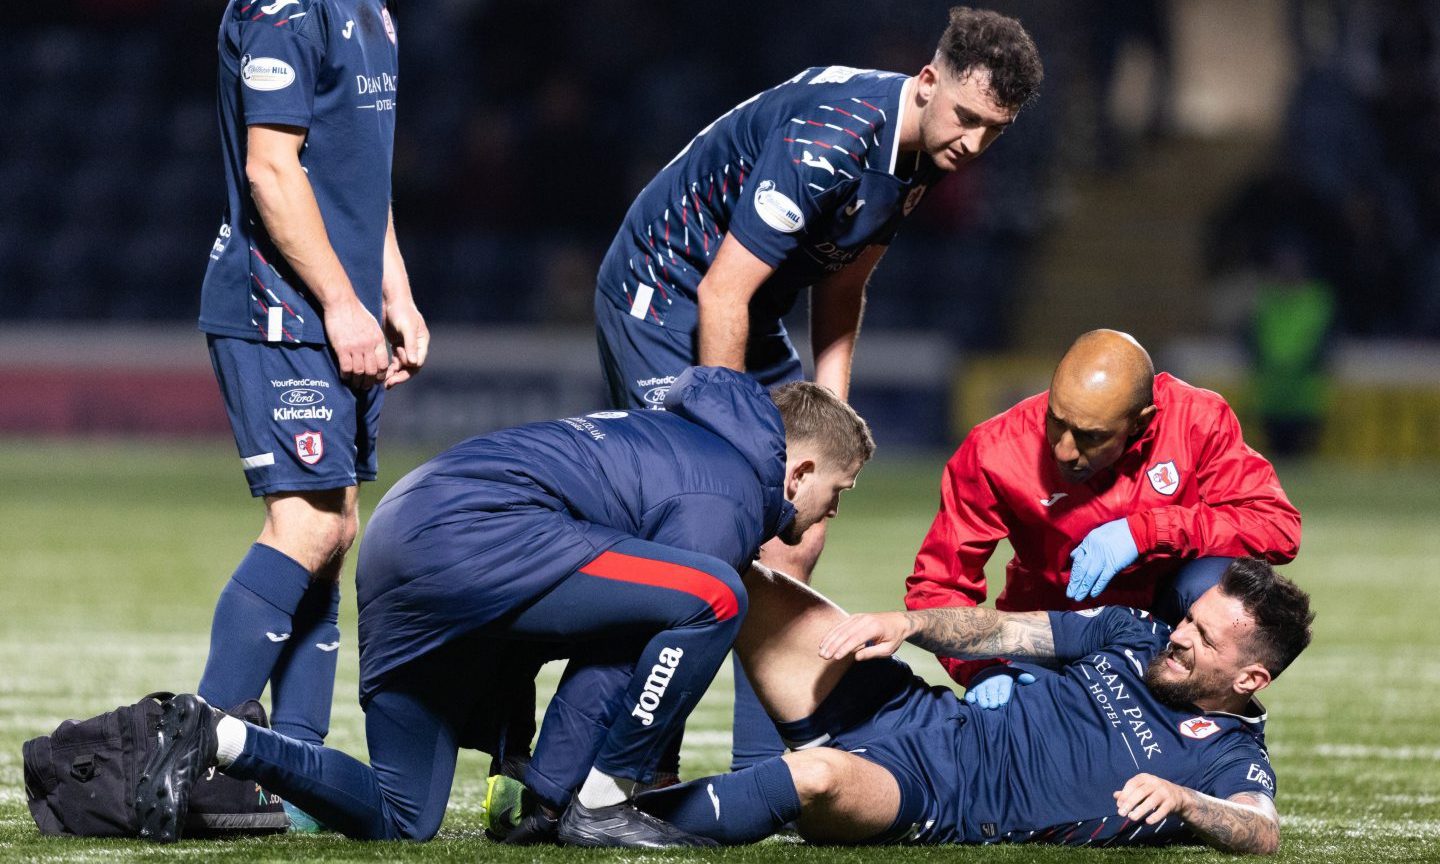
1189	487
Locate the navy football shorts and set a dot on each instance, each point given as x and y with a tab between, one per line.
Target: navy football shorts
641	360
297	426
883	713
925	763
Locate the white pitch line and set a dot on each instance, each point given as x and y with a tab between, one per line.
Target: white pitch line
1367	751
1368	827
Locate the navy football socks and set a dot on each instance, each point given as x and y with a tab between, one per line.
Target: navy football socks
737	808
252	625
303	684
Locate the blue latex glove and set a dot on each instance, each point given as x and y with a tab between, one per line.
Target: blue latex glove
995	691
1104	552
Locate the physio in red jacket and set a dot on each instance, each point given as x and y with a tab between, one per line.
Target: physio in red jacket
1116	486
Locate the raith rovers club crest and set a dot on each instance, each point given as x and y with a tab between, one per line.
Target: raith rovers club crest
1164	477
309	446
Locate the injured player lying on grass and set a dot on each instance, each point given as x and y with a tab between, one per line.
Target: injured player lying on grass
1135	734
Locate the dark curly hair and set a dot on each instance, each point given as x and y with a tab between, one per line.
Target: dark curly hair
1281	611
982	39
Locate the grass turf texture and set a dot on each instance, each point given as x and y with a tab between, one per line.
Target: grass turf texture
112	554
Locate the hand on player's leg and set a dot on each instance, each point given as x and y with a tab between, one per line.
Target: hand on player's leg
867	636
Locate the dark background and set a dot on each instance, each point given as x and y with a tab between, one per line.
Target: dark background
526	126
1182	156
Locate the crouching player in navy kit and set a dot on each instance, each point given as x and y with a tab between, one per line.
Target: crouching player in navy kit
304	285
1141	735
617	526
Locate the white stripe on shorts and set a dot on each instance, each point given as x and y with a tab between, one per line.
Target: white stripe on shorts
643	294
811	744
260	461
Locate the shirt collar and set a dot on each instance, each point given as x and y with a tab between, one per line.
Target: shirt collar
902	102
1152	429
1254	715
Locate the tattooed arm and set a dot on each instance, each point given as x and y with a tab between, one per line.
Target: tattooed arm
950	631
972	632
1243	824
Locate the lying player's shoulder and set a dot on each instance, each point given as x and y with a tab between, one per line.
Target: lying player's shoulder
1127	618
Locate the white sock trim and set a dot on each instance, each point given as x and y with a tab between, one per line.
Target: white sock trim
602	790
230	735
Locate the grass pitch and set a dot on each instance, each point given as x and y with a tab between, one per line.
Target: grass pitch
112	554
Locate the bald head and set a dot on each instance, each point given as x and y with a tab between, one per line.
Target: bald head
1101	397
1107	366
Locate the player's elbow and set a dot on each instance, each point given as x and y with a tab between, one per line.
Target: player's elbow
262	174
264	171
720	297
1262	838
1266	841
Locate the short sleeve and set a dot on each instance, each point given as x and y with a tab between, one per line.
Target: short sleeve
794	184
1248	771
281	51
1081	634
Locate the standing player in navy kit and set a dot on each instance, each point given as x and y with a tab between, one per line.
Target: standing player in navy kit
304	286
803	185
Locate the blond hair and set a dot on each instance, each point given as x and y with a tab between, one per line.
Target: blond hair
815	414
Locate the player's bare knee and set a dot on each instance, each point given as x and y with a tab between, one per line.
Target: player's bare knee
817	774
314	528
349	530
327	535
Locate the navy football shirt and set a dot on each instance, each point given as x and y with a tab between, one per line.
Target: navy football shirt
805	175
330	67
1060	755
